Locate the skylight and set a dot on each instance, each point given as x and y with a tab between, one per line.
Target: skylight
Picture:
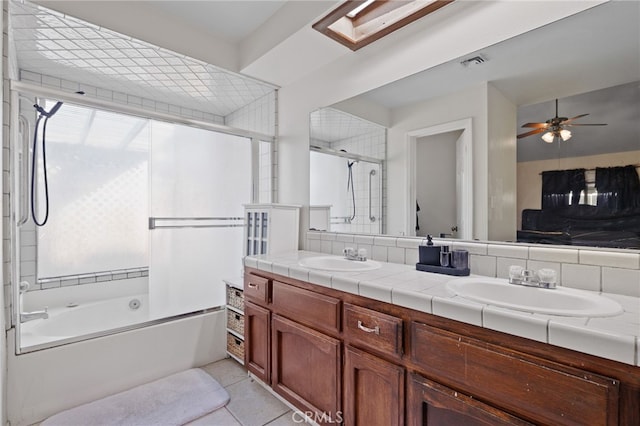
359	9
357	23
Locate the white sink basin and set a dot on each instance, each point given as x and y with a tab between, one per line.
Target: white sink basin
559	301
336	263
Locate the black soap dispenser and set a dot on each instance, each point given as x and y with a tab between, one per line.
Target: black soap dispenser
429	254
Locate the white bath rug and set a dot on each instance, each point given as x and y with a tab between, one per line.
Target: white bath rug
172	400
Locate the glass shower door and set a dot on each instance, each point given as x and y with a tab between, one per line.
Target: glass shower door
199	183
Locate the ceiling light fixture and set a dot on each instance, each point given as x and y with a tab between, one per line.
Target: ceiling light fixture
356	23
551	136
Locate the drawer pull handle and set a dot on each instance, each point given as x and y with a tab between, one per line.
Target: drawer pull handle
252	285
375	330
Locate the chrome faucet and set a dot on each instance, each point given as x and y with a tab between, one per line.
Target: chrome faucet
544	278
30	316
351	254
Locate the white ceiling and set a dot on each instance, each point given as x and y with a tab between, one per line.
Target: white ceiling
591	50
231	21
572	59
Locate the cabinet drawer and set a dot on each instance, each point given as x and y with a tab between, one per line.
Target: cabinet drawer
375	330
256	289
306	307
540	391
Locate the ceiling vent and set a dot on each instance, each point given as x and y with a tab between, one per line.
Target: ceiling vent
476	60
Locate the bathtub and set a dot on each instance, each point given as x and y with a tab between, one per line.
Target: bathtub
50	376
76	321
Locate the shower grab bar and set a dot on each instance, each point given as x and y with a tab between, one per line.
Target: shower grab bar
24	170
372	173
153	222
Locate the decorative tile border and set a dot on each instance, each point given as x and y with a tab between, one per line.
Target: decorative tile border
103	276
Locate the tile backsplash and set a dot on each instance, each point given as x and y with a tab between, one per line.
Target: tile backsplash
614	271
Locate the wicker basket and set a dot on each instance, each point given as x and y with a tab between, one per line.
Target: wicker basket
235	298
235	322
235	346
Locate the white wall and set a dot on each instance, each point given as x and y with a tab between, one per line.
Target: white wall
4	137
502	160
469	103
460	29
436	183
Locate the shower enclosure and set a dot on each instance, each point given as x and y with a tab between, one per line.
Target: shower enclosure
350	186
143	211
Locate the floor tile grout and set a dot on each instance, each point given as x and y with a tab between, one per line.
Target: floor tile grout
234	378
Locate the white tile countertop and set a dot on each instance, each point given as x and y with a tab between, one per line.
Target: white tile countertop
616	337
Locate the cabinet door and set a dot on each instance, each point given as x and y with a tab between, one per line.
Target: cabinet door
373	390
257	339
541	391
431	404
306	369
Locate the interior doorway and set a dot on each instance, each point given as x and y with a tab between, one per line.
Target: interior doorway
440	186
436	201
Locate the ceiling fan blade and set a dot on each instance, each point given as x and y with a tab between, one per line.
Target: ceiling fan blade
585	124
536	125
573	118
532	132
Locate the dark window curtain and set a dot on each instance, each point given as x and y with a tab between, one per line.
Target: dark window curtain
618	187
557	186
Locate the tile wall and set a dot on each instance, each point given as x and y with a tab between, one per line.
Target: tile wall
118	97
614	271
98	277
372	145
257	117
6	133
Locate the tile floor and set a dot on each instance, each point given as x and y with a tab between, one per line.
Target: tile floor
250	404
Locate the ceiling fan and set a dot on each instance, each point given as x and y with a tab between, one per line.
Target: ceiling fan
555	127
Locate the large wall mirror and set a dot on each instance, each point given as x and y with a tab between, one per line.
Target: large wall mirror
589	63
346	173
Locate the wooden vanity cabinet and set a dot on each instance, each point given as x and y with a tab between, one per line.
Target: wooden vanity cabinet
306	369
536	389
431	404
257	337
373	389
353	360
373	386
292	344
257	326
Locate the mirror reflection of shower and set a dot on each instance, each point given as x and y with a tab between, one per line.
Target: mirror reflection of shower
346	199
350	188
359	208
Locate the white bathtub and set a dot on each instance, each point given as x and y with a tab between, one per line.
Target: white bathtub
50	377
81	320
